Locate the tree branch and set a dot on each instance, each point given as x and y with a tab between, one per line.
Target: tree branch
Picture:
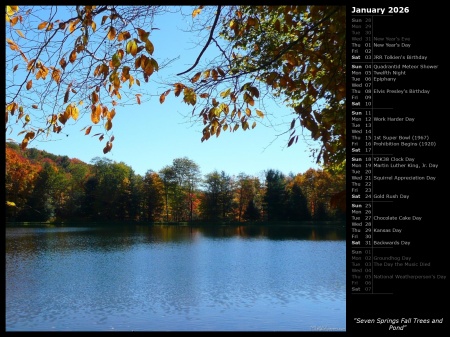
207	42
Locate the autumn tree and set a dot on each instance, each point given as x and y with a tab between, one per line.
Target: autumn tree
70	62
20	177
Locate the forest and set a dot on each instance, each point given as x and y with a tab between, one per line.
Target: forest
43	187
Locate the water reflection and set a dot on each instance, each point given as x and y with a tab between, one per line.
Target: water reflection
173	278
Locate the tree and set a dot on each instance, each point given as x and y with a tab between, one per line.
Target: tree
296	207
82	60
275	195
217	198
187	175
20	177
153	196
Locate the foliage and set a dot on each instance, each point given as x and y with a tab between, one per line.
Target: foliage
57	188
68	63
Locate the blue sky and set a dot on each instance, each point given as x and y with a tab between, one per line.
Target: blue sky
150	135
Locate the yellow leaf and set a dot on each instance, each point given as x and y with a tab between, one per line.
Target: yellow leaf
42	25
29	84
196	11
132	47
10	10
27	118
93	26
95	114
74	113
225	93
20	33
248	112
253	125
73	24
111	33
260	113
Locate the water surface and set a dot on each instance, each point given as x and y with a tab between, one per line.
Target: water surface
175	278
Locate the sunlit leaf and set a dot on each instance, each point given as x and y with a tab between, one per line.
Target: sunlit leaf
225	93
108	125
162	98
143	35
259	113
56	75
73	56
132	47
75	112
178	88
248	99
42	25
111	33
95	114
19	32
10	10
63	63
149	47
253	125
123	36
196	77
73	24
196	11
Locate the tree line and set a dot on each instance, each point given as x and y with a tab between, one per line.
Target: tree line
44	187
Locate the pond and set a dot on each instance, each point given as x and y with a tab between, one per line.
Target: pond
175	278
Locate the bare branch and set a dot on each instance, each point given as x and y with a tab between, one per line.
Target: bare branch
207	42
